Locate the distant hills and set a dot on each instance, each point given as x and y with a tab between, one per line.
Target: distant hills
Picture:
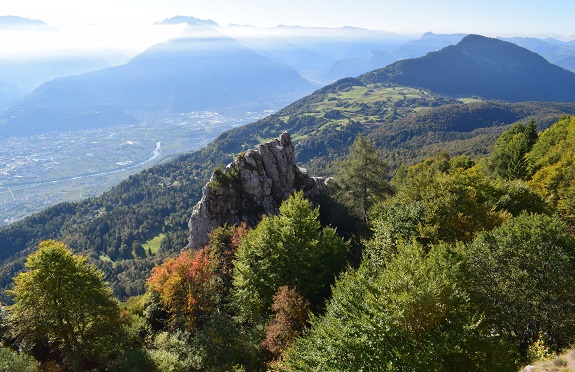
9	92
555	51
201	70
29	71
15	22
379	58
484	67
312	50
243	67
23	70
205	69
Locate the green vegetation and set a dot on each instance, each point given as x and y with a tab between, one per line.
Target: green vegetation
507	160
153	245
62	306
410	314
519	276
551	162
14	361
361	178
460	269
286	250
405	125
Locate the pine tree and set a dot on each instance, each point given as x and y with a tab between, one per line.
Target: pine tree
362	178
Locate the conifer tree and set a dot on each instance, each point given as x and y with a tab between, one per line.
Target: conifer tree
362	178
508	159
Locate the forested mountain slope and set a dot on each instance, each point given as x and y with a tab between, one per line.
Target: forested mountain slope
468	265
152	208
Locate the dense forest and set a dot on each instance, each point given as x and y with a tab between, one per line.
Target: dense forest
150	210
453	263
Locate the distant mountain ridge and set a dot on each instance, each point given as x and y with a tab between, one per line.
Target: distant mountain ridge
484	67
377	58
559	53
12	22
202	70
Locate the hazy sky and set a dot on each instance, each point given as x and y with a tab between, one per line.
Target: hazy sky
128	22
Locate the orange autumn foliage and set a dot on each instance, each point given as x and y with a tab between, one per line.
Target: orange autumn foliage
187	287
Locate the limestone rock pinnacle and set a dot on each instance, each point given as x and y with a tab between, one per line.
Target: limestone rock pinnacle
253	185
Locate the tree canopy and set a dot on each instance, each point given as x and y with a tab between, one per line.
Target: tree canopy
361	178
291	249
61	302
552	161
412	314
521	277
187	287
507	159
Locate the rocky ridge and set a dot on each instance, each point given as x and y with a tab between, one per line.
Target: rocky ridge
253	185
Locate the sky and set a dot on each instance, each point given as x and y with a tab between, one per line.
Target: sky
128	24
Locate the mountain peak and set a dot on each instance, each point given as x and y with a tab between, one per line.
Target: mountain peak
475	38
485	67
189	20
427	34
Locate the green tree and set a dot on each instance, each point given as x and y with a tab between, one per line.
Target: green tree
291	249
438	206
412	314
361	178
438	201
138	249
552	161
61	301
521	277
13	361
507	159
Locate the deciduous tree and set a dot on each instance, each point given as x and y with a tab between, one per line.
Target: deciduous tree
521	277
62	301
187	287
291	249
410	315
290	315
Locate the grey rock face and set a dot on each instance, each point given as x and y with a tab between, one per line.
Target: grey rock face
253	185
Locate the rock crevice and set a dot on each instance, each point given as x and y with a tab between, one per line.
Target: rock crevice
253	185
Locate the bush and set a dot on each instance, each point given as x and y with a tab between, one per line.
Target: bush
13	361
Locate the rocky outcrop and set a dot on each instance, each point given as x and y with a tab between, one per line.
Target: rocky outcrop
253	185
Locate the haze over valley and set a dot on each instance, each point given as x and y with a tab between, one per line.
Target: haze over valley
76	136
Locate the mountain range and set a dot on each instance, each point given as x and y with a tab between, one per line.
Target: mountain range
203	69
378	58
15	22
484	67
555	51
407	123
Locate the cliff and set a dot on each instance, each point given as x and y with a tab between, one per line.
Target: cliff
253	185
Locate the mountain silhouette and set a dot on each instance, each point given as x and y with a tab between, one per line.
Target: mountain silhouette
202	69
484	67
